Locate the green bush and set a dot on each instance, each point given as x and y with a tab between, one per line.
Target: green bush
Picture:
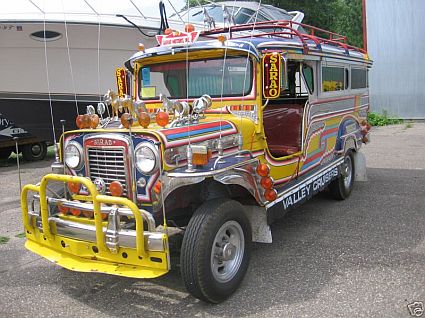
382	119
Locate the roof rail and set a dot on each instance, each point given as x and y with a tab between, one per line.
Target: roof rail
287	29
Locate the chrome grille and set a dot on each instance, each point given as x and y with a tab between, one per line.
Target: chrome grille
108	164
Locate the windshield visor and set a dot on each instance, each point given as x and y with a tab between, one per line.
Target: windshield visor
176	80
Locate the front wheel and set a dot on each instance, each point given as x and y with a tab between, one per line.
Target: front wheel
341	188
215	250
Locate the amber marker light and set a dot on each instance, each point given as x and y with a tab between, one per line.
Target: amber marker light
63	209
189	27
162	118
141	47
144	119
104	216
157	187
88	214
266	182
116	188
74	187
126	120
168	31
94	121
222	38
79	121
270	194
75	211
85	122
263	170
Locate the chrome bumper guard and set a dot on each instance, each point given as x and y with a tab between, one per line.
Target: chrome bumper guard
107	238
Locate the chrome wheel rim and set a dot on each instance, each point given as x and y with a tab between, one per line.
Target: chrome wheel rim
347	172
227	251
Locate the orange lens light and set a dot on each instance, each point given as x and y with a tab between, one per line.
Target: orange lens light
200	159
88	214
157	187
266	182
141	47
263	170
126	120
94	121
75	212
168	31
104	216
116	188
63	209
85	122
270	194
74	187
222	38
162	118
189	28
79	121
144	119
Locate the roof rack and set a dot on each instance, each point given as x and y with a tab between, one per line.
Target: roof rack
287	29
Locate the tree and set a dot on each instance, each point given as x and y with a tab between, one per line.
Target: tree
339	16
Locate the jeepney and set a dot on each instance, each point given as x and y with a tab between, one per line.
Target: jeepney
210	138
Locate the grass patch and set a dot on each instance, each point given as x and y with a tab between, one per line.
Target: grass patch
20	235
376	119
4	239
408	125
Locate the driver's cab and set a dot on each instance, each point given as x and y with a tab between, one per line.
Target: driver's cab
283	111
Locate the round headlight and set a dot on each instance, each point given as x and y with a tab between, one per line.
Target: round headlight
146	158
73	155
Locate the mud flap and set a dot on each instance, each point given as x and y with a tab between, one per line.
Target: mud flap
257	216
360	166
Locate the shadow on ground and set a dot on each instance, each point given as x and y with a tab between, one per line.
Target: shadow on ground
313	247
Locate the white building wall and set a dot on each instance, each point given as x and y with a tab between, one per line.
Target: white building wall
396	44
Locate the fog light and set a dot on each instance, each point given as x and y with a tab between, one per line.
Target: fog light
116	188
74	187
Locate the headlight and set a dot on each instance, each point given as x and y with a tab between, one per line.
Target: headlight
74	155
146	158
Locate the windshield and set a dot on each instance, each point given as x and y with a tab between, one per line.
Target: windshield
204	77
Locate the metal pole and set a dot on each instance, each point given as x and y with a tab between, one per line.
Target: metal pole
364	25
17	162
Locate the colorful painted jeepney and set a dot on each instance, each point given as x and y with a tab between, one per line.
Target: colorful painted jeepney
211	141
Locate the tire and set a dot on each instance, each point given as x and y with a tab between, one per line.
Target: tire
341	187
206	239
34	152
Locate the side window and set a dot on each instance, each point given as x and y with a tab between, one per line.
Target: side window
309	77
333	79
358	78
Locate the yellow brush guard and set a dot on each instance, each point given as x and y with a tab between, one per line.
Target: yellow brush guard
85	256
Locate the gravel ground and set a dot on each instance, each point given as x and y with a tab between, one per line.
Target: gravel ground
362	257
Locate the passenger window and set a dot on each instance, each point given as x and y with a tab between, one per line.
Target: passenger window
308	76
333	79
358	78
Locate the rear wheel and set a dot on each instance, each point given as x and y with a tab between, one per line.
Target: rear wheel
215	250
35	151
341	188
